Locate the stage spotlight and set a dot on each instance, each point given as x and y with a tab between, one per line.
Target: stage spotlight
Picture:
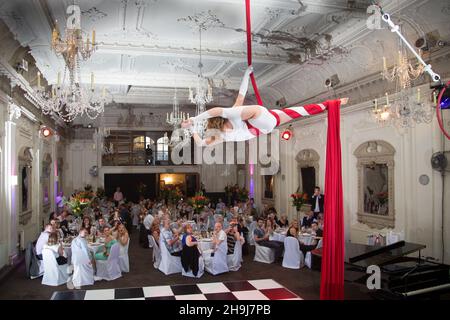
287	134
46	132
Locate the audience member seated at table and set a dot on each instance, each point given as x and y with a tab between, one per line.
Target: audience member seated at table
201	225
58	250
109	242
190	253
87	224
308	220
224	224
122	235
233	235
42	240
261	236
316	230
177	226
97	214
304	247
218	236
242	228
171	241
64	223
270	227
58	229
294	223
220	205
81	254
283	222
101	225
292	232
155	230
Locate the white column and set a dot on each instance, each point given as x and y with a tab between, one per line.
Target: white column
11	179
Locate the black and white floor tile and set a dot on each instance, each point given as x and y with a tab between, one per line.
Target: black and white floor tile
263	289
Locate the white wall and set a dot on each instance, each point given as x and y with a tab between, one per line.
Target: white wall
417	208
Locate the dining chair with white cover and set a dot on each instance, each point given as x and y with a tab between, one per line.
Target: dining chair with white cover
110	269
169	264
308	256
201	269
235	260
218	263
293	257
54	274
156	255
83	272
264	254
251	228
124	260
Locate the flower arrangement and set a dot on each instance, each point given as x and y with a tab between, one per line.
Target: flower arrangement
298	199
172	193
198	202
240	194
79	201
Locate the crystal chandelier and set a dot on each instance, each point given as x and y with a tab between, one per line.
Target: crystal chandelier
175	117
70	100
73	47
404	112
403	73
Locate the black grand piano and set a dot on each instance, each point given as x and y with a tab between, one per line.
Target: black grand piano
402	277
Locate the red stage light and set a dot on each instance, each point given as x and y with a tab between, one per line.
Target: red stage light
46	132
286	135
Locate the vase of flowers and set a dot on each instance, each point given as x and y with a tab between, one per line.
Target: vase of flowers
80	201
298	199
198	202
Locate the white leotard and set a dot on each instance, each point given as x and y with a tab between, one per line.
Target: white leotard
265	123
240	131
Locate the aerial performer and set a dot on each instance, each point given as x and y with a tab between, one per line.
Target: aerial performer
241	123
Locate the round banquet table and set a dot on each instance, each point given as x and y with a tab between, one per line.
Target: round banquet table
205	244
306	238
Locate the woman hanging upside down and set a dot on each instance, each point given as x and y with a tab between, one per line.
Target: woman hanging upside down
241	123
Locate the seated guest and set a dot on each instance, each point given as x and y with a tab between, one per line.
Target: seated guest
190	254
242	229
171	241
220	205
64	223
283	222
294	224
233	235
54	245
201	225
292	232
58	229
109	242
155	230
316	230
87	224
261	236
304	247
97	214
218	236
177	226
308	220
101	225
81	260
42	240
270	226
122	235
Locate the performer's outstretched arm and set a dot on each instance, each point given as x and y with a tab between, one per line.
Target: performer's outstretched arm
244	87
209	141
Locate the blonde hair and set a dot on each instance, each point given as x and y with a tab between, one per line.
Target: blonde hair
216	123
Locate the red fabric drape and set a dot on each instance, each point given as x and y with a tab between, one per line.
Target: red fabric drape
249	50
332	275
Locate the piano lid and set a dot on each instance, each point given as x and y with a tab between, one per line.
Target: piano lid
364	255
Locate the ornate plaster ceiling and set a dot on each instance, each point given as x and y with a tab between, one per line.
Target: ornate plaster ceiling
148	47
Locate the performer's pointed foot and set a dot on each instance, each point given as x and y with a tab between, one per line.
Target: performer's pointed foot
344	101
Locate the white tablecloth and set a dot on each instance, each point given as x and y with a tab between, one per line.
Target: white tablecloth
205	245
306	239
278	236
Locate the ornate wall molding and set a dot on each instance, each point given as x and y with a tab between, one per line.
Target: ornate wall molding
372	153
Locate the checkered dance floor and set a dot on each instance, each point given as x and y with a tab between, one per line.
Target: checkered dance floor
263	289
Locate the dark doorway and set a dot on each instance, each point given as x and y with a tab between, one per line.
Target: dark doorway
308	180
131	185
191	184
